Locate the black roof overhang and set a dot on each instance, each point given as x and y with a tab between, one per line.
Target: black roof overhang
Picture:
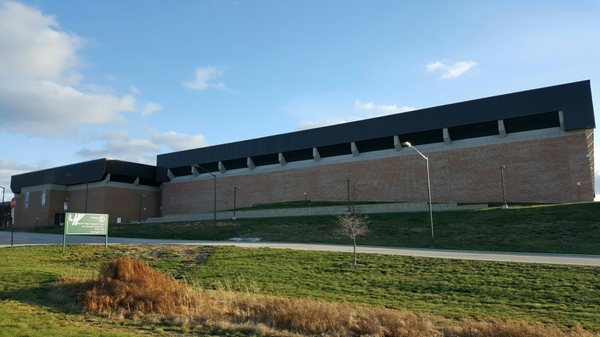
81	173
573	99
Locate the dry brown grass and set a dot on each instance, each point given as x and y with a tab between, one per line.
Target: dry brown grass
498	328
130	287
127	285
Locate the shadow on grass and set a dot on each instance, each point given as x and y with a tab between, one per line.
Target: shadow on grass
56	297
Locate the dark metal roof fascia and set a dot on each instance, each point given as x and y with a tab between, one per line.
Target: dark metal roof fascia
131	169
574	99
81	173
72	174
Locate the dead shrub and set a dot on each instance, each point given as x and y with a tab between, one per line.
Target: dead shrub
393	323
132	286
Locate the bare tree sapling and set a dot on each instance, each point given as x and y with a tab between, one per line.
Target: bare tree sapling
352	226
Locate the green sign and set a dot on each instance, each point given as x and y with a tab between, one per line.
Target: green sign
85	224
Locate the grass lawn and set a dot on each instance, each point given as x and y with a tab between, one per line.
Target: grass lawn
31	304
569	228
562	295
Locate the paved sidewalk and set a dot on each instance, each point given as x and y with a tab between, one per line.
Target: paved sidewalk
23	238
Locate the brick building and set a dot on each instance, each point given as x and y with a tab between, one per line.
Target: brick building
122	189
541	139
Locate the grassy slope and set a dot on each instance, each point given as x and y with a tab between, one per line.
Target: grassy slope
558	295
32	305
573	228
562	295
27	307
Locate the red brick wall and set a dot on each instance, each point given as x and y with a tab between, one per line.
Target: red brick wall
121	202
539	170
95	200
32	211
27	217
125	203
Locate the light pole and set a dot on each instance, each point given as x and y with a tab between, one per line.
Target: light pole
2	209
348	193
86	196
235	189
578	191
65	208
408	144
214	198
68	180
140	209
502	167
12	227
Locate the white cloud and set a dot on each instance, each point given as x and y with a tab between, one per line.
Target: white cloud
205	79
33	46
176	141
380	109
46	108
40	90
134	90
151	108
437	65
458	69
365	110
120	145
451	71
307	124
10	168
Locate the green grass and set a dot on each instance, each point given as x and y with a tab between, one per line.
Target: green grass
563	295
571	228
32	305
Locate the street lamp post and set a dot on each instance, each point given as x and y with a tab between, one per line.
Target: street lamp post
2	209
214	197
408	144
348	193
235	189
86	196
502	167
140	209
65	208
12	227
578	191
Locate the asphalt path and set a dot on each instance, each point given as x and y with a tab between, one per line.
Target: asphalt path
24	239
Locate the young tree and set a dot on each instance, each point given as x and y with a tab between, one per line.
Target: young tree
352	226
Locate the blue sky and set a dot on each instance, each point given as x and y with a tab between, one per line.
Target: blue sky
81	80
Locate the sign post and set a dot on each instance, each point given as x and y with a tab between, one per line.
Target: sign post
85	224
